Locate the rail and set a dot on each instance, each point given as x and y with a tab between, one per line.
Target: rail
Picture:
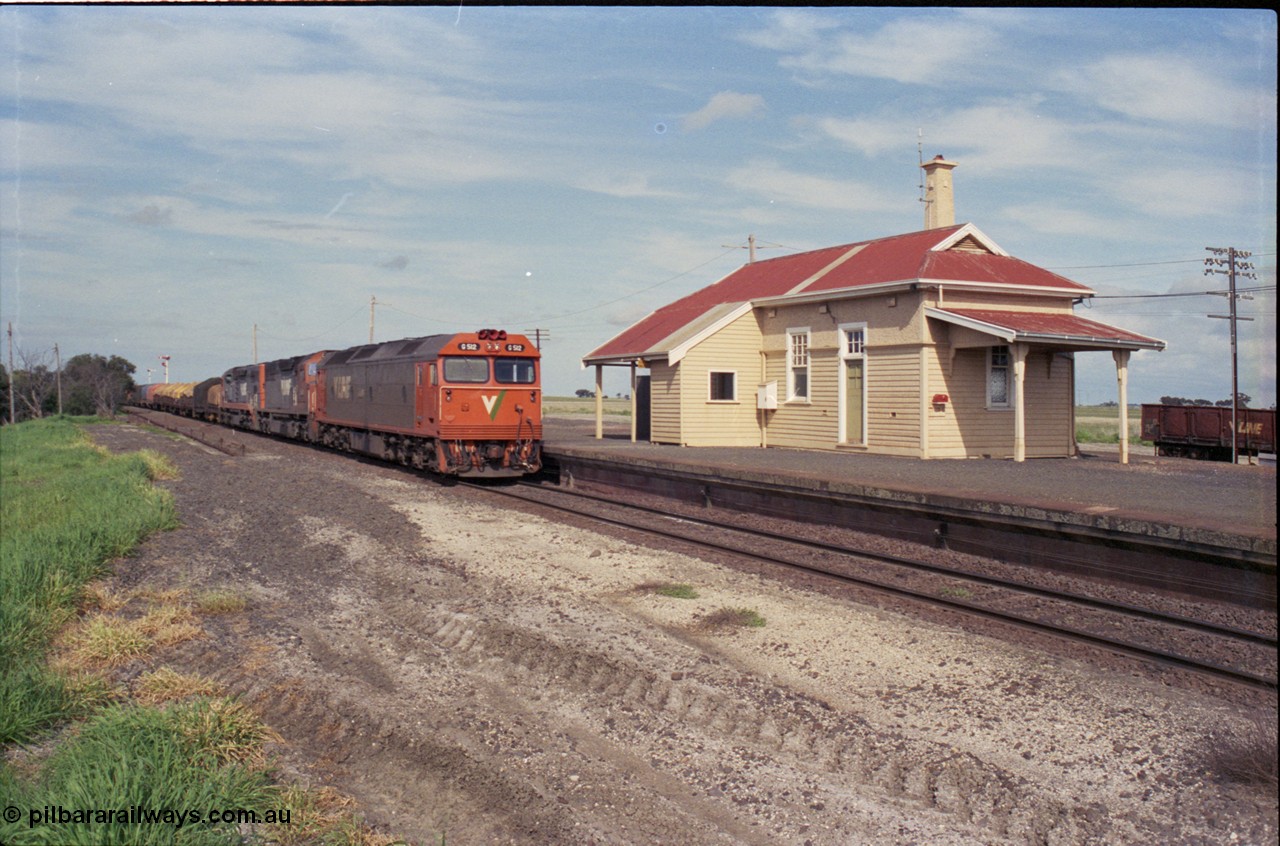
753	549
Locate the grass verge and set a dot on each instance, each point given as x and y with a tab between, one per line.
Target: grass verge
68	508
177	747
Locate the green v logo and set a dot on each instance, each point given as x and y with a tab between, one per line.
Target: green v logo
492	404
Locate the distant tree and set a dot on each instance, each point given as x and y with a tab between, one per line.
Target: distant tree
4	394
583	393
1186	401
33	385
1242	400
95	384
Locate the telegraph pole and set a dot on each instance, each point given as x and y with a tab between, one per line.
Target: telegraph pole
538	335
751	248
13	417
373	301
1231	266
57	357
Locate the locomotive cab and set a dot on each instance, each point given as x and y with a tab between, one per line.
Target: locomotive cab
465	404
484	403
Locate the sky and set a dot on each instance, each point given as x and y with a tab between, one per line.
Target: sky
171	178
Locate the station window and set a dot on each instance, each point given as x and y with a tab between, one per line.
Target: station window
797	364
999	377
724	386
855	341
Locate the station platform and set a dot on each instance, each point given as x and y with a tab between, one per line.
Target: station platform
1193	509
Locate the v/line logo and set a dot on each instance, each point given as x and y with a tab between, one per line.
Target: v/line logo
493	403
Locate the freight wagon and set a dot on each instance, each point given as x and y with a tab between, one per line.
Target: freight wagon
1204	431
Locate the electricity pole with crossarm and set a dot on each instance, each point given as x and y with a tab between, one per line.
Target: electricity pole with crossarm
1231	266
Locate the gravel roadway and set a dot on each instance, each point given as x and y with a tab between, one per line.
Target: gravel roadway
471	673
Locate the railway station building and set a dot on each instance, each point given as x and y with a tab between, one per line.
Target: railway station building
931	344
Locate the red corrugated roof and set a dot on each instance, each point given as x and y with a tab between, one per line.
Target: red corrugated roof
1042	326
766	278
901	258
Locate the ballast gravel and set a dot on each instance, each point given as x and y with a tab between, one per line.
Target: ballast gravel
473	672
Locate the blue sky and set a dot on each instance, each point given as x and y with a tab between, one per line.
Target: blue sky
171	176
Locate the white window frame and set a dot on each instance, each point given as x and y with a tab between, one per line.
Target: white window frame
1008	403
792	365
847	355
711	374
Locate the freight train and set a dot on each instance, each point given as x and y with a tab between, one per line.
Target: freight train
459	405
1204	431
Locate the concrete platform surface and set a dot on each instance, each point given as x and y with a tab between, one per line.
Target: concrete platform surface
1214	503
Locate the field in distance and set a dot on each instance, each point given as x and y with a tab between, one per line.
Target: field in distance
1101	423
575	406
1094	423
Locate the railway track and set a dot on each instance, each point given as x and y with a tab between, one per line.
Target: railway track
1170	640
209	435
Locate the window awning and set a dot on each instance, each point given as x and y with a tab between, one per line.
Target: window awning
1047	328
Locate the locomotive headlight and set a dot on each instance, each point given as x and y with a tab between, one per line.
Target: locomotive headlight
448	395
533	396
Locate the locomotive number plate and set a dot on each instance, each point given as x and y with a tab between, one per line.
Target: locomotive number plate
468	346
515	347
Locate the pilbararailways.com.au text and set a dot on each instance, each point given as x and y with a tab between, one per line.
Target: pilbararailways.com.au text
137	815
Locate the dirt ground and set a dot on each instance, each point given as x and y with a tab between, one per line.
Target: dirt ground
474	675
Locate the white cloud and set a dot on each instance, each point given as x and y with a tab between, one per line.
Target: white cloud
1054	219
626	186
726	104
1183	192
919	48
1168	89
802	190
790	30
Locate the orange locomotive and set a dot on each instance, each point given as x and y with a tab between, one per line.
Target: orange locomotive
462	404
459	404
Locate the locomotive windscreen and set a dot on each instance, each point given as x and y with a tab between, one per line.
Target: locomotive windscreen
514	371
458	369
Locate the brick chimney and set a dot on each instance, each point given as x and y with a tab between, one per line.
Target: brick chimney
939	200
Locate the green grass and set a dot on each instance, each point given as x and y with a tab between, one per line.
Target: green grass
677	591
134	757
574	406
733	617
1100	424
68	509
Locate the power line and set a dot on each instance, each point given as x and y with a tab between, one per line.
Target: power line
1184	294
1137	264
